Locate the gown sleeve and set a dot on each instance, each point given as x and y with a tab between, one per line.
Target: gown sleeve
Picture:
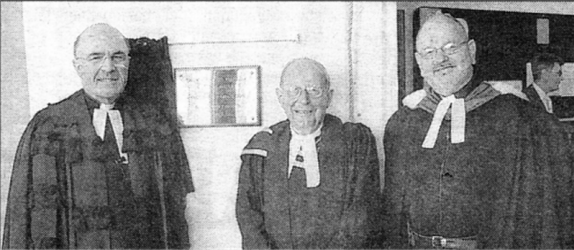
249	203
536	207
361	221
394	214
36	208
541	199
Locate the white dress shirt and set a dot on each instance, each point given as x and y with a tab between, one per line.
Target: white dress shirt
544	98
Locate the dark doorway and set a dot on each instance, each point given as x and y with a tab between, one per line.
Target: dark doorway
506	41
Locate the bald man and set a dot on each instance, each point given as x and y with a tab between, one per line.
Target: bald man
469	164
310	181
97	170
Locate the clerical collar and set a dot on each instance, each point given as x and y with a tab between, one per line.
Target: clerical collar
481	94
458	115
461	93
100	112
303	154
317	132
452	108
93	103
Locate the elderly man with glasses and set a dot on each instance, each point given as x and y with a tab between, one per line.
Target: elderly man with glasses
310	181
470	164
97	170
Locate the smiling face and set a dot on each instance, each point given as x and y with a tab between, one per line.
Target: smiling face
304	95
445	69
102	62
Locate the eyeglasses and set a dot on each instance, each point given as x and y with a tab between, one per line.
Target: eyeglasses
98	59
314	92
447	49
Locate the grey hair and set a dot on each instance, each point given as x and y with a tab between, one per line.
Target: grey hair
318	67
78	38
461	22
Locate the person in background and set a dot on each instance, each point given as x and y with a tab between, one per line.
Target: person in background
98	170
547	73
310	181
471	164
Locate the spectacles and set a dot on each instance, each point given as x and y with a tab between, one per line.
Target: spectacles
314	92
447	49
98	59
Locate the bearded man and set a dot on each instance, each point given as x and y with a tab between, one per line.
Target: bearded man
469	164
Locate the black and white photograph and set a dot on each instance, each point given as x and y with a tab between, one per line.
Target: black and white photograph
287	125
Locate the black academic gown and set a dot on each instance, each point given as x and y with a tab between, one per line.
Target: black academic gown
275	211
534	98
70	190
509	182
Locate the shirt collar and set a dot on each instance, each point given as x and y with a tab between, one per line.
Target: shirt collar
540	92
543	97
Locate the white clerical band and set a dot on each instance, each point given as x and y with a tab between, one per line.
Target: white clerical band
458	119
303	154
99	123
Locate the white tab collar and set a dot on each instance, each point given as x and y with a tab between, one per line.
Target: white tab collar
458	120
99	122
303	154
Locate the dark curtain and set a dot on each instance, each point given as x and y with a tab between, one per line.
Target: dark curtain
151	82
150	78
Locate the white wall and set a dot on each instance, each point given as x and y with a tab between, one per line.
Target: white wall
14	93
374	65
326	33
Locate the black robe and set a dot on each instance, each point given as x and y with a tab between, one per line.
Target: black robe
534	98
509	182
69	190
274	211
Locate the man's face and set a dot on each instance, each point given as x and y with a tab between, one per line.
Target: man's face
553	78
102	63
305	97
444	56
